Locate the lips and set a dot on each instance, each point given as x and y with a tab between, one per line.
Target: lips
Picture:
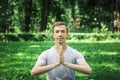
59	38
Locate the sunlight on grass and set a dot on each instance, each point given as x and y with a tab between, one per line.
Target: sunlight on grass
108	53
34	46
18	58
19	54
111	53
91	41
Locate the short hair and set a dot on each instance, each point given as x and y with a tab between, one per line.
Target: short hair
58	23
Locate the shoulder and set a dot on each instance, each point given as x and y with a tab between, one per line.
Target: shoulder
44	53
48	50
74	51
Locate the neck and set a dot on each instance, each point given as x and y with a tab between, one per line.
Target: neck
64	46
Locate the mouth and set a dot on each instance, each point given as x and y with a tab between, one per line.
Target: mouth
59	38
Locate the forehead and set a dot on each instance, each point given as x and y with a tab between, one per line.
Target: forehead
60	27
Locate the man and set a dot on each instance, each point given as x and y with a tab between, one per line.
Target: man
61	61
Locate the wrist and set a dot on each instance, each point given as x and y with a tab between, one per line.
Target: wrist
57	64
65	63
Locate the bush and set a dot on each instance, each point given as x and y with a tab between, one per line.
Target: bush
94	37
1	37
48	37
26	37
12	37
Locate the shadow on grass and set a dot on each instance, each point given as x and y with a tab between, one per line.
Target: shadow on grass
105	67
18	58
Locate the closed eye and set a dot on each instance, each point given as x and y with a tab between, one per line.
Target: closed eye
63	31
57	31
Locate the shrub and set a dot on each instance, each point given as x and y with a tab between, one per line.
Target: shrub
1	37
12	37
48	37
26	36
94	37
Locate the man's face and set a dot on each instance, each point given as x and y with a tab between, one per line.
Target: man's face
60	34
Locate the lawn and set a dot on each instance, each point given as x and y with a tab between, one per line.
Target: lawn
18	58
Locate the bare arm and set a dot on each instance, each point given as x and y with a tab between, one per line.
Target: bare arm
81	67
40	69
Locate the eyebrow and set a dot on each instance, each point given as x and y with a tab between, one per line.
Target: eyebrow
61	30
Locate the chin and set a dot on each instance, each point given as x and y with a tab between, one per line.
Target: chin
60	42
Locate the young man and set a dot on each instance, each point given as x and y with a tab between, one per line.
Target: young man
61	61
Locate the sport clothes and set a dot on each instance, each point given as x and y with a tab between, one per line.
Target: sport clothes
61	72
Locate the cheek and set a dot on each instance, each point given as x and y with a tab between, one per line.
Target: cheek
65	35
54	36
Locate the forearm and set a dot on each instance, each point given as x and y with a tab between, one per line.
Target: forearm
80	68
42	69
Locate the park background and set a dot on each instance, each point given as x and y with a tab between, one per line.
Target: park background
25	31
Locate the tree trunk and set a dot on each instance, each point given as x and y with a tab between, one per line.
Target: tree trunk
112	6
28	10
99	13
45	8
4	15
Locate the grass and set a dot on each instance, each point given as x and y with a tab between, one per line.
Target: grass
18	58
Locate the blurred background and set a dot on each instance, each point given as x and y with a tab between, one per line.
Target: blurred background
25	31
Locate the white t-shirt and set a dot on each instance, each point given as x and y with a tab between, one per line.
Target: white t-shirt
61	72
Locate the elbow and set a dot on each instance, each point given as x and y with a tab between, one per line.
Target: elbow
32	73
89	71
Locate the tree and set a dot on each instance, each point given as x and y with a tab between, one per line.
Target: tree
28	10
5	12
45	8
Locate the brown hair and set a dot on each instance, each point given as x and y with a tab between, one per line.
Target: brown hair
59	23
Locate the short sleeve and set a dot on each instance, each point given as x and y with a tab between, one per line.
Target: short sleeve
79	57
42	59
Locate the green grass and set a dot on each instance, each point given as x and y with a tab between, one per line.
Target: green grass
18	58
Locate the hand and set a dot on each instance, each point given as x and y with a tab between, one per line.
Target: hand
61	56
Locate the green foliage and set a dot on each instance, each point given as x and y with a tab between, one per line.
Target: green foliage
93	37
23	37
47	36
104	29
12	37
18	58
94	16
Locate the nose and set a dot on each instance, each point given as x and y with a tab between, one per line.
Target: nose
60	33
